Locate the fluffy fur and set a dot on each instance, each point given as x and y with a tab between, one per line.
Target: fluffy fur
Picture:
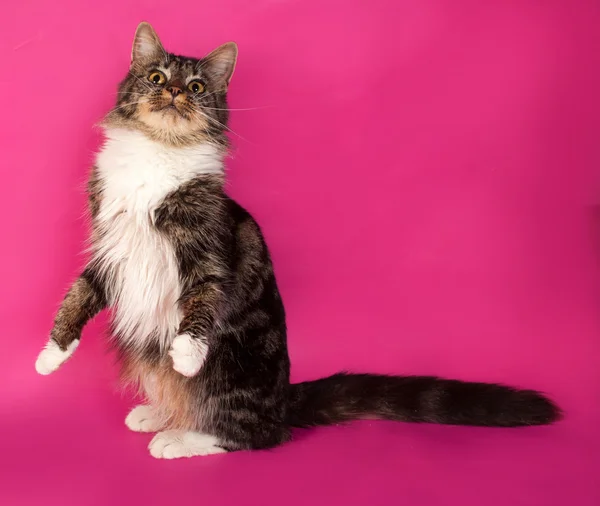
198	320
138	263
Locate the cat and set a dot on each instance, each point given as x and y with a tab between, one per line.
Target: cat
198	322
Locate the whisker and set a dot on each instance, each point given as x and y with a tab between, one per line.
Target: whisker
209	118
146	85
135	93
194	115
128	104
211	94
235	109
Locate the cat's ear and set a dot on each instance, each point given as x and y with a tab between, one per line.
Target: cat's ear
146	44
221	62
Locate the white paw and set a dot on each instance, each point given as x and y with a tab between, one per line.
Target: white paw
51	357
174	444
188	354
143	419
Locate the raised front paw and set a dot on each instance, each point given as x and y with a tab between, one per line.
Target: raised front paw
188	354
52	357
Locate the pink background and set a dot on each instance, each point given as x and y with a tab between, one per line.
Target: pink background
425	173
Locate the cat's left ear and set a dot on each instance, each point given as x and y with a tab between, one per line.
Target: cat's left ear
146	44
221	63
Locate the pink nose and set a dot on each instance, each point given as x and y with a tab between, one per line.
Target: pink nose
174	90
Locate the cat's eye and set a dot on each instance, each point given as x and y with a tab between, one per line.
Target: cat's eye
196	87
157	78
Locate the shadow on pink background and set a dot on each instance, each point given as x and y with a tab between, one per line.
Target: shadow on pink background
424	172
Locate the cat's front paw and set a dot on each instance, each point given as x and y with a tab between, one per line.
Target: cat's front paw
52	357
188	354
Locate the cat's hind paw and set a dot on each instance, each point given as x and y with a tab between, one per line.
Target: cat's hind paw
175	444
143	418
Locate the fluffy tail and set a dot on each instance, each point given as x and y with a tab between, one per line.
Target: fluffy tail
344	397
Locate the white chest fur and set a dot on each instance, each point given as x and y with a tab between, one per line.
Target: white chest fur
136	174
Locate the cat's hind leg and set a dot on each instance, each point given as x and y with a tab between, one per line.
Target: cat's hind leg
174	444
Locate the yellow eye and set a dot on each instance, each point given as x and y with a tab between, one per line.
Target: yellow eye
196	87
157	78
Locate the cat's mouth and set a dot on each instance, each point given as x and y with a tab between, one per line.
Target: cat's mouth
171	108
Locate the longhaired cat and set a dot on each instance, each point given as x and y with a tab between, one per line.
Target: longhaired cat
198	321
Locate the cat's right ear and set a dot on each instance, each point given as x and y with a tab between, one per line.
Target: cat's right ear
146	44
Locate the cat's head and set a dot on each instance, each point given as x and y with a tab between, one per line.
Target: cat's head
175	99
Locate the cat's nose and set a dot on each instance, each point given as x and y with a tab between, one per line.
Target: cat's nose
174	90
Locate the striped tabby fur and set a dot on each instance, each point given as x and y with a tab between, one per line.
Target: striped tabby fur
197	317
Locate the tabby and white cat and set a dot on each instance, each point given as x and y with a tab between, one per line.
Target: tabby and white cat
198	321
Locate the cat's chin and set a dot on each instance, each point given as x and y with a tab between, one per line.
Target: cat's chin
168	125
171	109
167	118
